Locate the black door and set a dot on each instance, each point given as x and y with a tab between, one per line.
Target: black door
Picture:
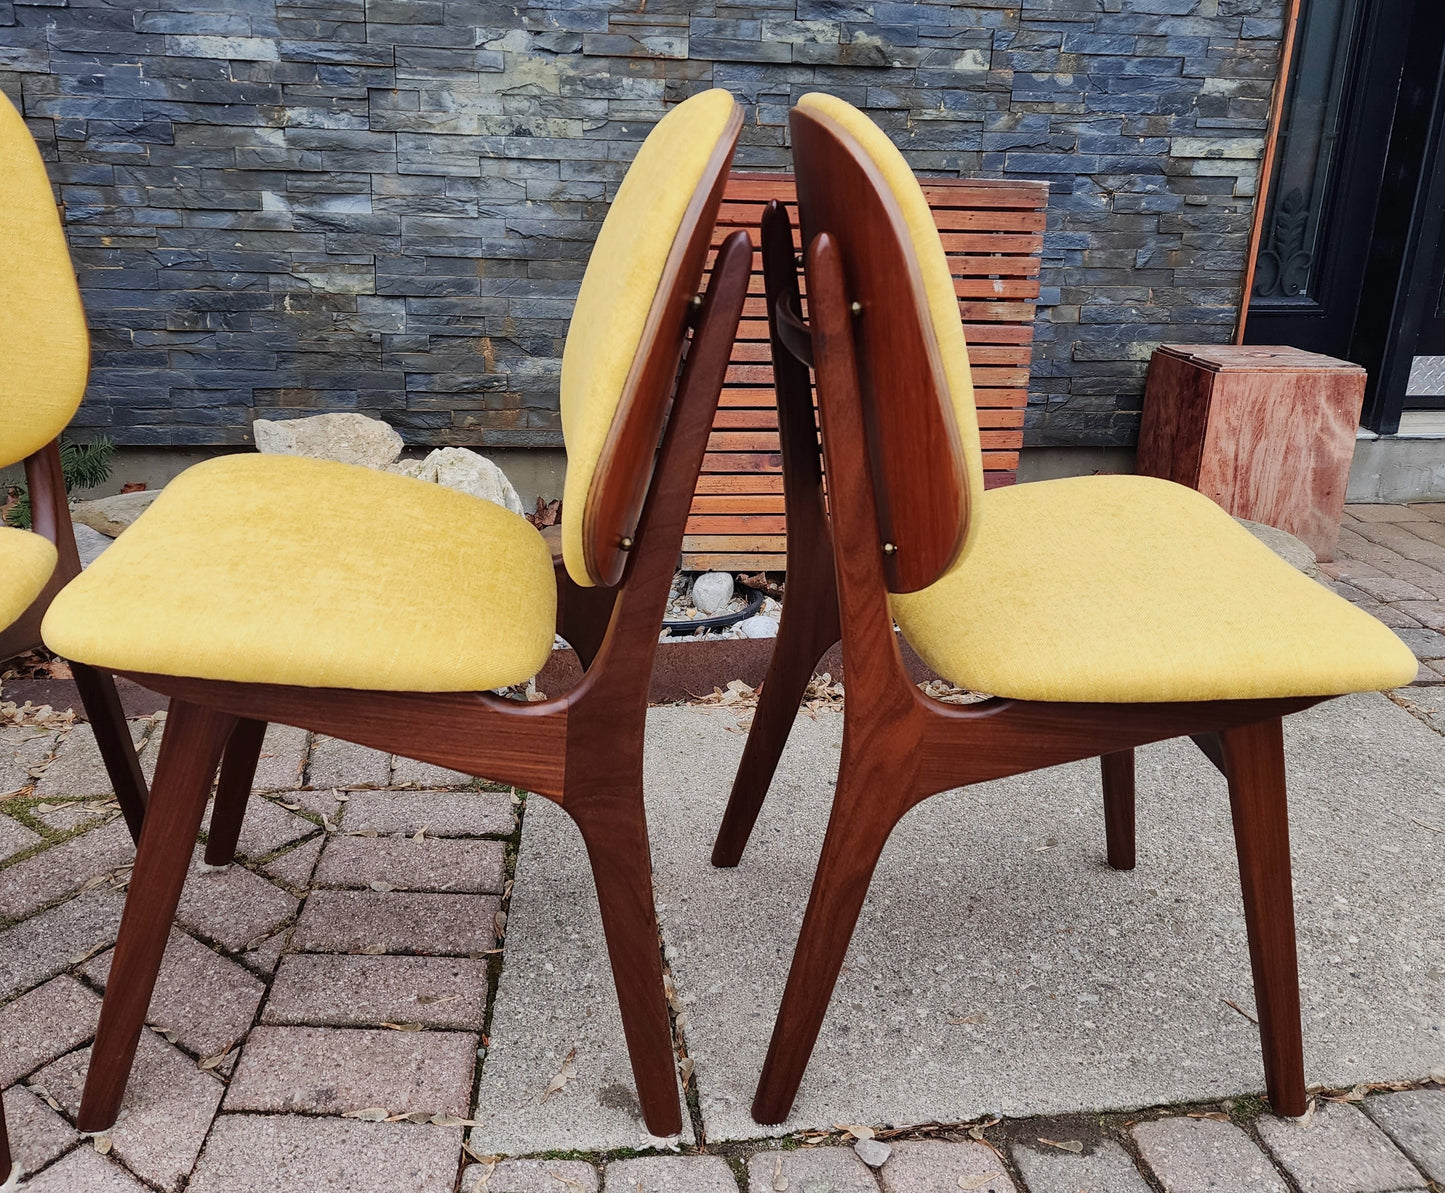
1349	262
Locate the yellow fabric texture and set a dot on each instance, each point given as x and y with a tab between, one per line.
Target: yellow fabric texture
44	346
937	283
26	564
278	569
618	290
1129	588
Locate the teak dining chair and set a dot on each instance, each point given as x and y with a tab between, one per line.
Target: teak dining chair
383	610
44	363
1100	613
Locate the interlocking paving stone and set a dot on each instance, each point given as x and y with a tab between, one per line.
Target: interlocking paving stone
330	802
1415	1120
251	1153
295	866
323	1070
404	864
533	1176
556	997
267	828
1194	1155
283	758
78	771
37	1133
63	868
926	1166
351	991
265	956
1339	1150
396	922
232	906
22	747
1426	613
837	1169
45	1023
168	1107
1107	1169
337	763
669	1174
14	837
43	945
408	772
205	1000
72	815
1387	588
441	813
84	1170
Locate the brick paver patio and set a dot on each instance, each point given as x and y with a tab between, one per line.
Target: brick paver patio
321	1020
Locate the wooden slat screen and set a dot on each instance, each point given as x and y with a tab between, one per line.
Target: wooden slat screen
993	233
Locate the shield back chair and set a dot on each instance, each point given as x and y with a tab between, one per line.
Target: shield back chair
45	353
299	609
1099	613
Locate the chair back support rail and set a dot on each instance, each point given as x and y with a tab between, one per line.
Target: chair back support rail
582	748
899	745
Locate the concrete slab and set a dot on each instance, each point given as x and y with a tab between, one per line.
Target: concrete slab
1201	1155
1107	1168
40	947
556	999
37	1134
319	989
1339	1149
1415	1120
1001	966
45	1023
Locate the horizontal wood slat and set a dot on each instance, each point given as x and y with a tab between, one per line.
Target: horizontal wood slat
992	232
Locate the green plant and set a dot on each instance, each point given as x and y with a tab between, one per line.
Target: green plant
84	465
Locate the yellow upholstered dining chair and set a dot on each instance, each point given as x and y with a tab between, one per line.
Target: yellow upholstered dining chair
1098	613
44	362
383	610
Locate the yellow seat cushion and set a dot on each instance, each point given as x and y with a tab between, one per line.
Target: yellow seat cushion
26	564
44	345
618	291
279	569
1128	588
937	284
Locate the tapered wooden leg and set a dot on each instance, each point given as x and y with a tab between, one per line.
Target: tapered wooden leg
112	736
1118	771
851	849
1254	765
190	750
614	827
238	770
6	1163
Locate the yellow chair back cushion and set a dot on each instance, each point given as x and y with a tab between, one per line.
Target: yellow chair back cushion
937	284
618	291
44	347
26	564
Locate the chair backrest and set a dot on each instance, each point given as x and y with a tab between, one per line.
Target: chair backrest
629	326
44	346
913	365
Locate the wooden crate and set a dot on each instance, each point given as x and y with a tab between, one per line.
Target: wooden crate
1267	433
993	233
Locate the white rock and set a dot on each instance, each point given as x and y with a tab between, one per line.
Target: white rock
349	438
111	515
90	543
758	626
467	472
872	1153
711	592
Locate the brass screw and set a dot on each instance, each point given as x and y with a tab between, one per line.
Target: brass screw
626	543
856	308
697	300
890	548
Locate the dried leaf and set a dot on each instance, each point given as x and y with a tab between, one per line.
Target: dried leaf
373	950
499	924
341	797
976	1017
212	1061
403	1026
858	1132
102	1144
564	1075
1236	1007
372	1114
978	1182
780	1182
1064	1145
451	1120
685	1067
421	832
289	807
380	886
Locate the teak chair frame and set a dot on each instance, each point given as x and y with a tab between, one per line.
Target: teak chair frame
50	518
899	745
582	749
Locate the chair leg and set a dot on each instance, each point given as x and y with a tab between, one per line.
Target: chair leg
856	836
238	770
6	1163
112	736
614	826
190	750
1118	771
1254	762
